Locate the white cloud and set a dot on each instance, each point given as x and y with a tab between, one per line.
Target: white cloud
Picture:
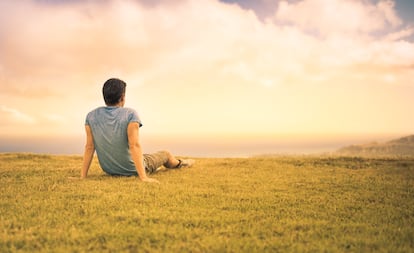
395	53
386	8
327	17
11	116
400	34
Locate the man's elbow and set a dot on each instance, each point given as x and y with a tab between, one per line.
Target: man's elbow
89	147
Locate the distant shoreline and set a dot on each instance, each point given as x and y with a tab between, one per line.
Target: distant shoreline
201	146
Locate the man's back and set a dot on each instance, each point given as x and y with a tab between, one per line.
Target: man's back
109	129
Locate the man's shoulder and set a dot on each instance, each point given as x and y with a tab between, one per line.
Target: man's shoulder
129	111
99	111
132	115
94	111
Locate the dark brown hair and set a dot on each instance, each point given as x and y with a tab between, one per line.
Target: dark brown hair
113	90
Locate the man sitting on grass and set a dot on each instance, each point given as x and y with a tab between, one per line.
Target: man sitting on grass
113	131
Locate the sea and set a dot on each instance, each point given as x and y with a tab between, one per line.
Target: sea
204	146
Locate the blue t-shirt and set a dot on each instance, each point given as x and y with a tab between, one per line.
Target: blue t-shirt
109	129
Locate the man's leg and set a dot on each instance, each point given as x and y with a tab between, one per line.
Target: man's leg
166	159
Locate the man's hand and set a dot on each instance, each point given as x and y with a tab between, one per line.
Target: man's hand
150	180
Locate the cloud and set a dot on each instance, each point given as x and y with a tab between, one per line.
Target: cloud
219	58
91	40
11	116
327	17
400	34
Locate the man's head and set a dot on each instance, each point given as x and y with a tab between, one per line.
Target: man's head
113	91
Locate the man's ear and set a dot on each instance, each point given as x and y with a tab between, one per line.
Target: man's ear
122	99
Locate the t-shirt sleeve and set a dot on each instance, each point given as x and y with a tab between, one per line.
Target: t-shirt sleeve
87	120
134	117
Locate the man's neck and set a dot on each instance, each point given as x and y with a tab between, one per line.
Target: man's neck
120	104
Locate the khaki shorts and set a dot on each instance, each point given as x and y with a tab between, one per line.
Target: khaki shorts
153	161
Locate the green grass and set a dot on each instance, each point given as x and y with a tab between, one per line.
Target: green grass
261	204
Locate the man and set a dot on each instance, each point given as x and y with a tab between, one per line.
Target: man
113	131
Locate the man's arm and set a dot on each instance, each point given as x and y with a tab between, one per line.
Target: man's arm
136	152
89	151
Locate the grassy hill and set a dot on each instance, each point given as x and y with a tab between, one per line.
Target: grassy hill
260	204
399	147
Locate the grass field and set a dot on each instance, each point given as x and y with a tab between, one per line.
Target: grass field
260	204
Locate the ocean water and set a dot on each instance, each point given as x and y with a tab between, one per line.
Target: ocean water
202	146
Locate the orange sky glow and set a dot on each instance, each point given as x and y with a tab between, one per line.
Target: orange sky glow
208	68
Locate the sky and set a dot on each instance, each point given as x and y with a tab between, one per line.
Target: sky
204	69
